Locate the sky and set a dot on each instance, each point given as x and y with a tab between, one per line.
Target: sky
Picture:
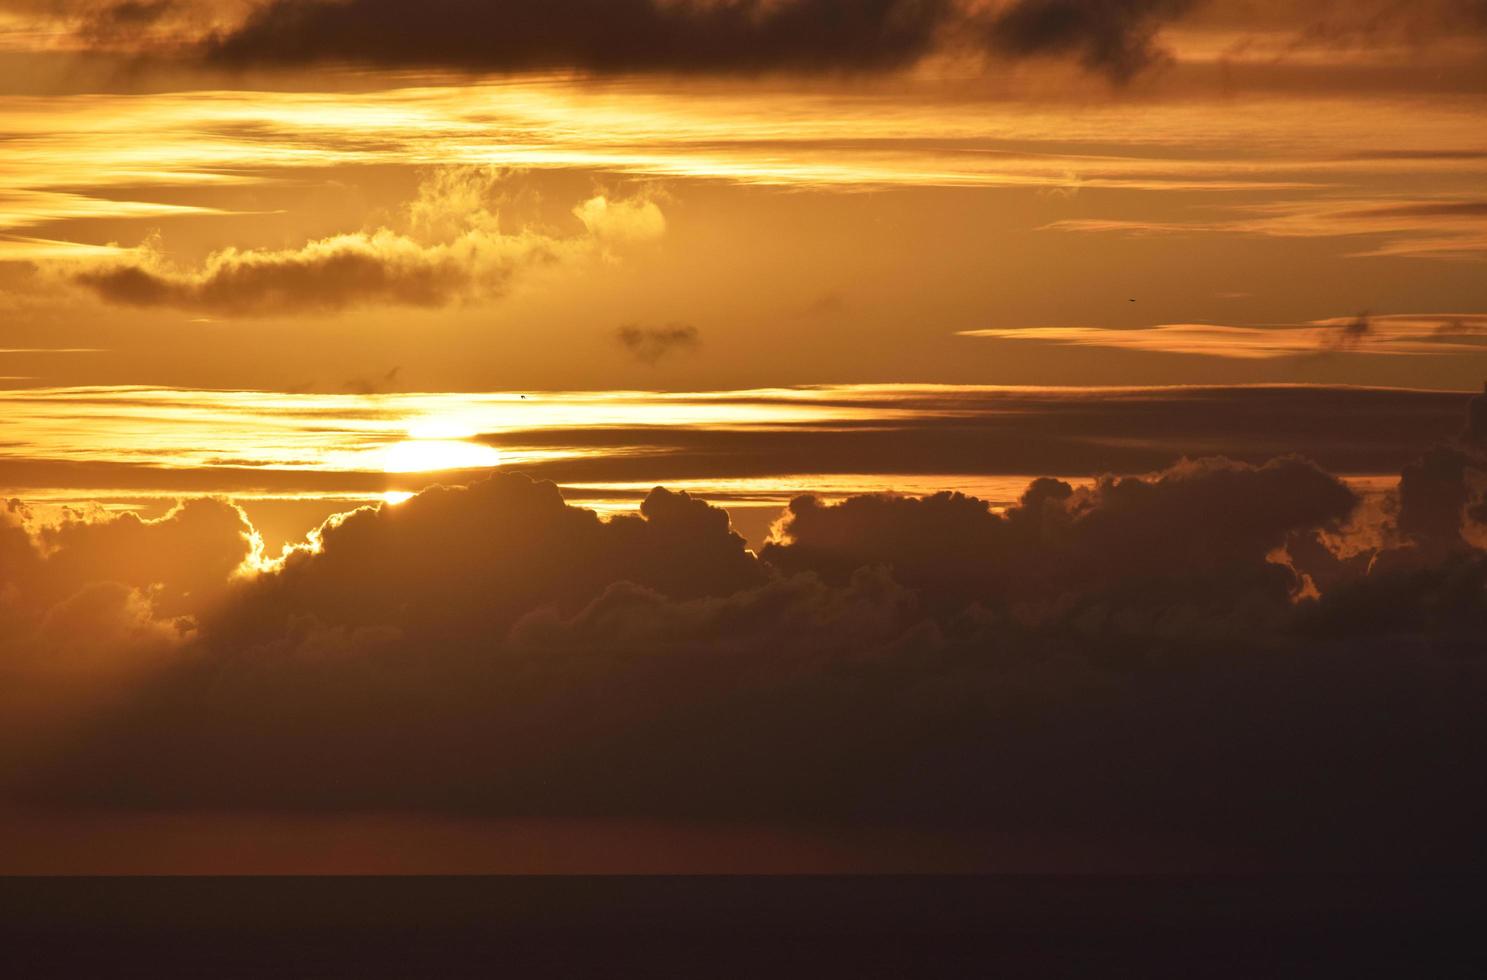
846	433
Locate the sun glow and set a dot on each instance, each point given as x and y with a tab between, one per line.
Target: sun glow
428	455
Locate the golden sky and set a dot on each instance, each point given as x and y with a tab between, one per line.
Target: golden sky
276	276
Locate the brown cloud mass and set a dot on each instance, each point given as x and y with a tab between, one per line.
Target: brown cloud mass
1113	37
1148	655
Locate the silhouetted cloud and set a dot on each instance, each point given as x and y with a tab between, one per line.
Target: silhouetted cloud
110	586
1349	335
596	35
650	344
1147	655
1059	541
1113	37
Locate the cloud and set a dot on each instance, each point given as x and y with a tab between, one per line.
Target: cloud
341	272
454	250
840	438
457	559
650	344
1113	37
595	35
1133	657
1444	230
1398	334
151	578
621	222
1350	335
1116	39
1058	541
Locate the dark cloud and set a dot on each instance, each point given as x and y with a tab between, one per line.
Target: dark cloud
1113	37
1137	657
1025	432
335	274
1427	209
650	344
1059	542
123	19
459	559
595	35
1348	335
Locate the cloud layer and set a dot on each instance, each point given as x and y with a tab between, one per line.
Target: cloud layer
1114	37
1243	655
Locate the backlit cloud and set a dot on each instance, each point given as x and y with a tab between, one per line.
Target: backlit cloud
1425	229
1400	334
473	259
494	649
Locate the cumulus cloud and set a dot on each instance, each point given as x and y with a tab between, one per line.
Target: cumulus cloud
457	560
650	344
120	576
453	250
1060	542
1136	656
621	222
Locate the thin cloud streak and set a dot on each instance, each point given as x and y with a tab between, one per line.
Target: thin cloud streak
752	447
85	157
1397	335
1442	229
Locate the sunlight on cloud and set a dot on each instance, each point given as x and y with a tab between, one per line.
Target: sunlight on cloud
455	250
905	136
1385	335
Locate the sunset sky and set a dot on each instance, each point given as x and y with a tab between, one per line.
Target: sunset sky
271	269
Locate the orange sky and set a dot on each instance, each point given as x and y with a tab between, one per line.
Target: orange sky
263	262
493	231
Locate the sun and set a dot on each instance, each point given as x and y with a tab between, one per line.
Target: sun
430	455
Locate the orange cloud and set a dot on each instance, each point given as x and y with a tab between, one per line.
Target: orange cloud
1400	334
454	250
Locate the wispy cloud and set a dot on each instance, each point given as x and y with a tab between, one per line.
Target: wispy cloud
1399	334
650	344
1426	228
